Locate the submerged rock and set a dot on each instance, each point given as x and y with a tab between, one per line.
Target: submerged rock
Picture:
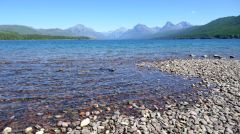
205	56
107	69
192	55
7	130
217	56
29	130
58	116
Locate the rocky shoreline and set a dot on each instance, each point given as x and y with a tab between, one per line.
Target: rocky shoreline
215	111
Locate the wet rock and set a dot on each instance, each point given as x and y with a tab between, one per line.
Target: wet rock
76	132
85	131
108	109
143	119
59	124
135	105
60	70
39	114
95	105
209	130
206	118
231	57
155	107
57	131
69	129
29	130
125	123
107	132
184	103
12	117
82	113
117	112
7	130
163	132
38	127
58	116
65	124
107	69
229	130
87	113
40	132
217	56
100	128
76	123
192	55
85	122
78	128
193	113
95	117
142	107
64	129
96	112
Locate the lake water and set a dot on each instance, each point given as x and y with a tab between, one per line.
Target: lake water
52	76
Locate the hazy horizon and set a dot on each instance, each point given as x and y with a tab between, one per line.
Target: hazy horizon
108	15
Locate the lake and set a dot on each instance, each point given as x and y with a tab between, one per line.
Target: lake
49	77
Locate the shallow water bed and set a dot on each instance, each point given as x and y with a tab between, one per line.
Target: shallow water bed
57	85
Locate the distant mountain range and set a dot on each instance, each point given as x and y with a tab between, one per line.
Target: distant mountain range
139	31
228	27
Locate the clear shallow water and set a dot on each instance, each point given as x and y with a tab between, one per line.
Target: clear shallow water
52	76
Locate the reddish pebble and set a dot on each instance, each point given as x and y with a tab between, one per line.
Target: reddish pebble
82	113
129	106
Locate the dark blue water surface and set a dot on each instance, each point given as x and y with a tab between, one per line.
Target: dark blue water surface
52	76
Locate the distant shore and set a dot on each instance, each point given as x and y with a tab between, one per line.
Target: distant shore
16	36
214	111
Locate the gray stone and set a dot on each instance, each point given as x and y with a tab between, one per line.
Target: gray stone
76	132
85	131
65	124
64	130
202	121
143	119
76	123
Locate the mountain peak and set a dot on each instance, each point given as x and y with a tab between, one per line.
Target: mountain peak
168	24
171	26
184	24
140	26
81	30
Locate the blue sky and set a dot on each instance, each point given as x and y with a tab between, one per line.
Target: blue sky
104	15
